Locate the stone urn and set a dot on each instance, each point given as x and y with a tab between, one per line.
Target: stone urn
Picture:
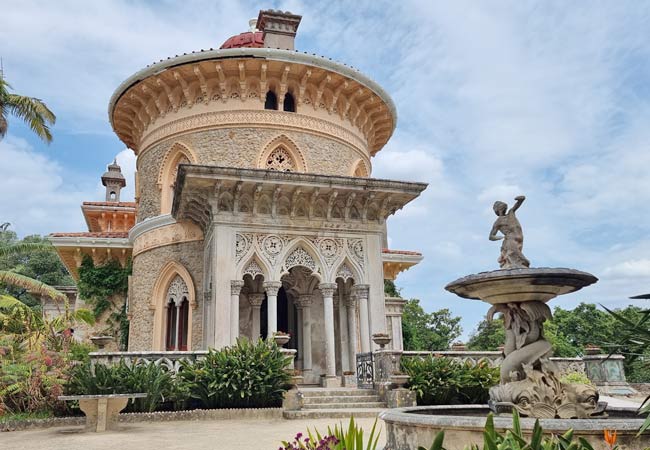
381	339
399	380
281	339
592	350
101	341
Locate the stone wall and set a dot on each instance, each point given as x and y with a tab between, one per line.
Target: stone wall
239	147
146	269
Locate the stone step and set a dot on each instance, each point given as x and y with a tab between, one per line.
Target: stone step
348	405
332	413
341	399
323	392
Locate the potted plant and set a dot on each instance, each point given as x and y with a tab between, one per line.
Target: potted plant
381	339
281	338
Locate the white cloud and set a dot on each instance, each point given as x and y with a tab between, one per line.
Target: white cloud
636	268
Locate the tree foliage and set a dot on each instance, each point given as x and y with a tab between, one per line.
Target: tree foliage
428	331
488	336
30	110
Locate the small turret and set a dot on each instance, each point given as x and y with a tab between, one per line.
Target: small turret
114	182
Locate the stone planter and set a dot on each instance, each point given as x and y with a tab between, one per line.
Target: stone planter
281	339
381	339
101	341
102	410
399	380
349	380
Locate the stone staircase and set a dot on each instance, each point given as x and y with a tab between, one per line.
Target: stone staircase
338	403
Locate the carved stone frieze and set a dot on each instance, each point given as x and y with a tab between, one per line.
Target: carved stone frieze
243	242
355	247
167	235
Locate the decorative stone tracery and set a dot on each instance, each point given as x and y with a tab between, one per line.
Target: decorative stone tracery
300	257
177	291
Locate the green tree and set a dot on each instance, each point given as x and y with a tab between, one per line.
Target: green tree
32	257
390	290
31	110
428	331
488	336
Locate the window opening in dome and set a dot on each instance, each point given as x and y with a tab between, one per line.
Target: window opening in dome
280	159
289	103
271	101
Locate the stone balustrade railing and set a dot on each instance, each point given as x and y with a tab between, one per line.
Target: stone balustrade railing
171	360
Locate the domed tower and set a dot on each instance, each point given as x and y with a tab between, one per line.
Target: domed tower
114	182
256	213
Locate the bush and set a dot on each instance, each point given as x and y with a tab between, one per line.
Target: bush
439	380
246	375
575	378
515	440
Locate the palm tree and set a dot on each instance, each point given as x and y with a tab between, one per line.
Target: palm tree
31	110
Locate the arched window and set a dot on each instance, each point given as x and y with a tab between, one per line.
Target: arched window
280	159
113	196
177	315
289	103
271	101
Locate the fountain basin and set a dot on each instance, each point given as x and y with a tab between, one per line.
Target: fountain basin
520	285
408	428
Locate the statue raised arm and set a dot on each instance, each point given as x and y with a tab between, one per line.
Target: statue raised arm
513	238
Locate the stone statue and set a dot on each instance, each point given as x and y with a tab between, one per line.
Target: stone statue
513	238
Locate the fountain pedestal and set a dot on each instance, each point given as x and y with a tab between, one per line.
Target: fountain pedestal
529	380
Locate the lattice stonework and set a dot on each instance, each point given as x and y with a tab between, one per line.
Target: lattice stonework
344	272
177	290
253	269
299	257
280	159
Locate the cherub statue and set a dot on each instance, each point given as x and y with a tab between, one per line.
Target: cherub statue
513	238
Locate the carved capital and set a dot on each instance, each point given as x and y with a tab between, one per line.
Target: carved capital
327	289
256	299
272	287
304	301
361	291
235	286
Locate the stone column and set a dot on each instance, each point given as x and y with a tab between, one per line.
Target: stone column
177	334
362	295
256	303
299	337
327	289
235	289
343	331
304	305
272	288
351	304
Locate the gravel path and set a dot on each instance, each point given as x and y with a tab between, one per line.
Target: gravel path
196	435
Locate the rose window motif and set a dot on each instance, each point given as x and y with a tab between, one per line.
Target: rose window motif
280	160
273	245
328	248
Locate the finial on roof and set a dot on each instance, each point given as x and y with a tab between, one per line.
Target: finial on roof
252	25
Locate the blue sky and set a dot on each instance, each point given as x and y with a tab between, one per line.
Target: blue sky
495	99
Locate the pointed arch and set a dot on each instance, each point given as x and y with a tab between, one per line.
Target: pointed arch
346	270
282	146
360	169
254	266
301	253
170	273
177	154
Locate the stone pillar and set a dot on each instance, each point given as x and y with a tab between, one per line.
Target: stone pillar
298	333
235	289
256	303
177	335
304	305
327	289
351	304
343	331
362	295
272	288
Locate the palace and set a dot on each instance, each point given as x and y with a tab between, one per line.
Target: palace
255	212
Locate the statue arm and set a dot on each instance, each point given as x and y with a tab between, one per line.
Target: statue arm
518	201
495	230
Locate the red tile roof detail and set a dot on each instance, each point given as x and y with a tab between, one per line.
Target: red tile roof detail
400	252
114	204
247	39
105	234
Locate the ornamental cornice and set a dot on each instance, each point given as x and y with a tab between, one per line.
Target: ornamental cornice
251	118
174	233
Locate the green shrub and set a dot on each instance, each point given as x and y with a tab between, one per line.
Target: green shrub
515	440
575	377
439	380
246	375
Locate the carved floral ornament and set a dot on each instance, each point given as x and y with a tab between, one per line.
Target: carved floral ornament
239	85
177	291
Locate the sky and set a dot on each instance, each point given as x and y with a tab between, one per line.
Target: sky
548	99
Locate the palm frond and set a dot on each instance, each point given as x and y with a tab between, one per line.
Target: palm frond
25	247
33	286
4	125
34	112
9	302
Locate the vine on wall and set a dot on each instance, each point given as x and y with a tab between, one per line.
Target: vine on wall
98	285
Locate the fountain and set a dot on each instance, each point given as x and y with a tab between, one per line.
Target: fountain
529	381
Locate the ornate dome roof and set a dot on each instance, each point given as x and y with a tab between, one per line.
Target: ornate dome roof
248	39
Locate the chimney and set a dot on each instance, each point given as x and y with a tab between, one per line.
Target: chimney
279	28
